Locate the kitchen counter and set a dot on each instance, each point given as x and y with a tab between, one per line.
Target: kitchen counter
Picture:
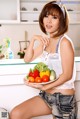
16	61
77	59
12	88
21	61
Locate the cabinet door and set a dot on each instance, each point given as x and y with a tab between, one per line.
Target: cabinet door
9	11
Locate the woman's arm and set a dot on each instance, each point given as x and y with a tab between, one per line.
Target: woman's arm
32	53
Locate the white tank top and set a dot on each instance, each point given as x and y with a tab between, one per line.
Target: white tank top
53	60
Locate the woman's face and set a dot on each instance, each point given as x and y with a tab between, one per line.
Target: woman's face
51	23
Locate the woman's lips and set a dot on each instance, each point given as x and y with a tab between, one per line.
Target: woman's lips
48	26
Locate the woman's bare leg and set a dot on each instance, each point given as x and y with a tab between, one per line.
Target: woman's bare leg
30	108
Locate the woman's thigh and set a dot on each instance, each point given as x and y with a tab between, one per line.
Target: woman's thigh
35	106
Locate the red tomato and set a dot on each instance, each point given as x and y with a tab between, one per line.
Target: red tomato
38	80
45	78
31	79
34	73
31	74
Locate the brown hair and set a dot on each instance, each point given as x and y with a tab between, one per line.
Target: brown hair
53	8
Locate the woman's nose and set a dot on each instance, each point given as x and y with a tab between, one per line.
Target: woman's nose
49	19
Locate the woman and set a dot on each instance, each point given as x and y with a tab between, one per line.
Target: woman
57	52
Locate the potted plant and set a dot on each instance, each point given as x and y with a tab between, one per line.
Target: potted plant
21	54
1	54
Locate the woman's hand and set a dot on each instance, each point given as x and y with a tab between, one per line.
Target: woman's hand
44	40
33	85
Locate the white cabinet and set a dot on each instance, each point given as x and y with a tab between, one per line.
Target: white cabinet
9	11
26	11
73	8
20	11
30	10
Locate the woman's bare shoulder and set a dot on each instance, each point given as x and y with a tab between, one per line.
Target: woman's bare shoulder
66	42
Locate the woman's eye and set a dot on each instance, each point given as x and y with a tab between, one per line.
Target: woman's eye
55	17
46	15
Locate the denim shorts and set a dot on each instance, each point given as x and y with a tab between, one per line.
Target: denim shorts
63	106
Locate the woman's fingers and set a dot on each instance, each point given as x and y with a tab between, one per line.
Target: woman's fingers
26	81
34	85
43	39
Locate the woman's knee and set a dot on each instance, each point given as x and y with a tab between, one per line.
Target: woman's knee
15	114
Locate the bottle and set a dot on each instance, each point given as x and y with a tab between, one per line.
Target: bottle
8	51
9	54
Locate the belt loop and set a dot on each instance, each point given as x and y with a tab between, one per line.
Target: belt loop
57	97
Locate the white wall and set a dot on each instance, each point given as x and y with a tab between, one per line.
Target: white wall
75	36
17	33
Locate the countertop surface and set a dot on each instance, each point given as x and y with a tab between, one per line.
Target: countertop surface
21	61
13	71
